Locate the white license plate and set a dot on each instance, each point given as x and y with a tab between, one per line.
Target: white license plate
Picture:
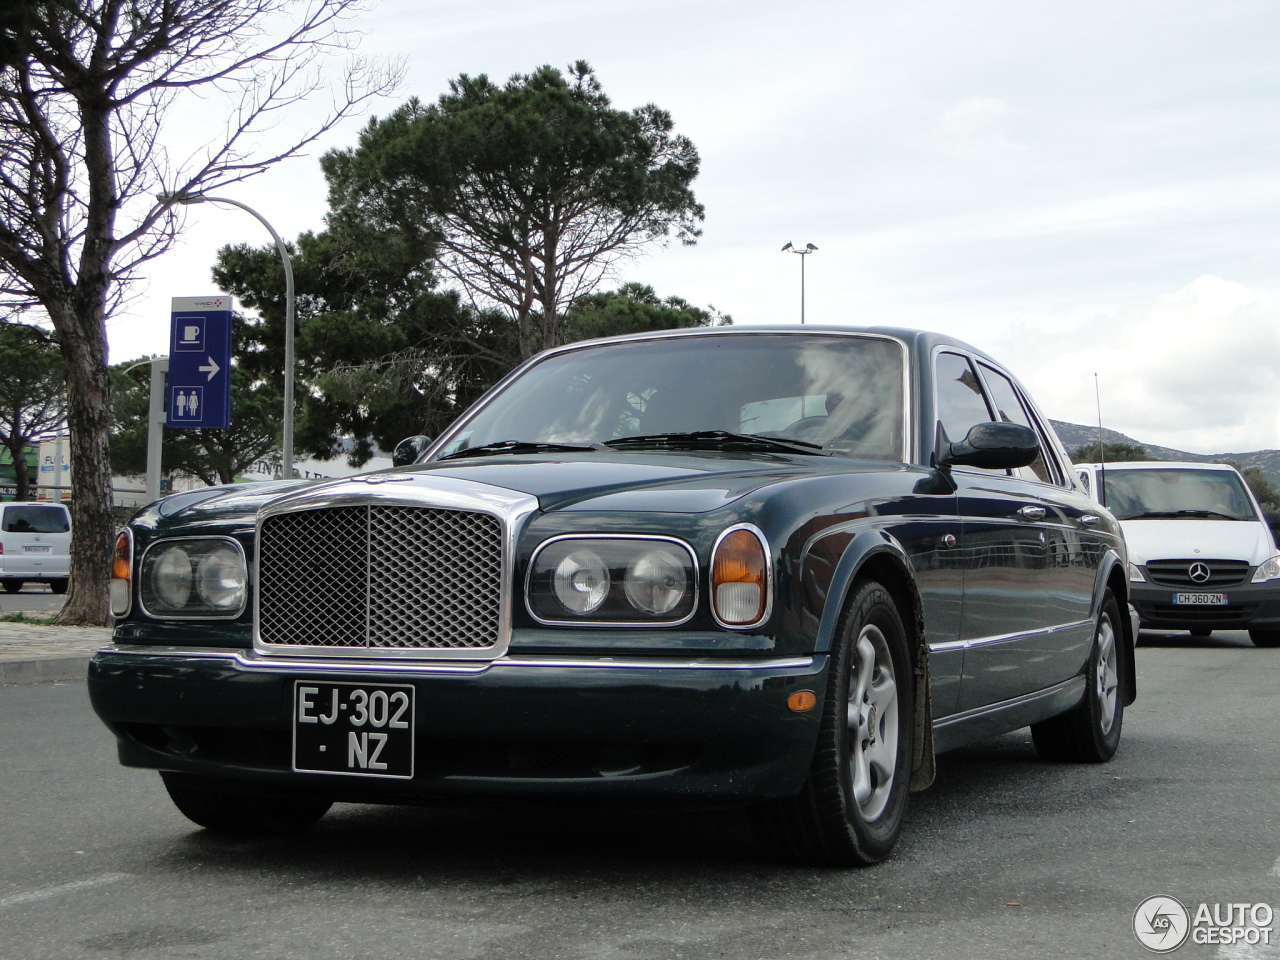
36	549
1200	599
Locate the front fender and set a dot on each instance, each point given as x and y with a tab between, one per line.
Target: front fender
876	554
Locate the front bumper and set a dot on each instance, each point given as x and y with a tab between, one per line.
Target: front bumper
1248	605
517	727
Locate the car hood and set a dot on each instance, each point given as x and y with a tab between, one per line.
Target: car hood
1198	539
644	481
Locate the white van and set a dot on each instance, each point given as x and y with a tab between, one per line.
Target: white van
1201	554
35	545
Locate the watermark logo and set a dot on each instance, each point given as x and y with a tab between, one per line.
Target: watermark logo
1161	924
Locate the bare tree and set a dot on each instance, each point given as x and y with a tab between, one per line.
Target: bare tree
86	113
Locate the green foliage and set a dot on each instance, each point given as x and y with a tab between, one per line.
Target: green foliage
634	308
535	188
33	393
1111	453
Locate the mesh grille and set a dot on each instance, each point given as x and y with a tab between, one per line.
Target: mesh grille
380	576
1177	573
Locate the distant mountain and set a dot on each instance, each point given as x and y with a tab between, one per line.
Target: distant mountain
1076	435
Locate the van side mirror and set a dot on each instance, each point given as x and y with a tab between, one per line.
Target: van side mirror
408	450
993	446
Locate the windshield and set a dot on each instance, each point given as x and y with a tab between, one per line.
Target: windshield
1186	493
842	393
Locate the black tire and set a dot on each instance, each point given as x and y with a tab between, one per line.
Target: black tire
852	807
58	586
1263	637
1090	732
1201	633
203	802
11	586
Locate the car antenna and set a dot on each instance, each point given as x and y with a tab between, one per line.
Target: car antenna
1102	450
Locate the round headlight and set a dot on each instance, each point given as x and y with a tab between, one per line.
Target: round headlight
581	581
655	582
171	578
220	578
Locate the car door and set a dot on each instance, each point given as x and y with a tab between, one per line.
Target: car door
1005	546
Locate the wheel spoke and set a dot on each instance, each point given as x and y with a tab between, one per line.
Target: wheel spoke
872	718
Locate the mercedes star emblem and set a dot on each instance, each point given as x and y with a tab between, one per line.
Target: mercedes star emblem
1198	572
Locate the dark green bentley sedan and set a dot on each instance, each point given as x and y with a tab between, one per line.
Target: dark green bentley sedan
780	568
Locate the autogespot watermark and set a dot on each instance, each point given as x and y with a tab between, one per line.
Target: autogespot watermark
1163	924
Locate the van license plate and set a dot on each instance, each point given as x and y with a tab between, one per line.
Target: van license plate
45	549
1200	599
354	729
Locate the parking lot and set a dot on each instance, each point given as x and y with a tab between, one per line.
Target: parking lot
1005	857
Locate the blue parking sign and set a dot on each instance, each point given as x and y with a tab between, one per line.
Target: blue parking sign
200	362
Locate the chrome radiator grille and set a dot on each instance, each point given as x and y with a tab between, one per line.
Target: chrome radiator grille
388	577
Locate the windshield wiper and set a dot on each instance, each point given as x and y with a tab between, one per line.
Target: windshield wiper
718	440
1175	514
518	446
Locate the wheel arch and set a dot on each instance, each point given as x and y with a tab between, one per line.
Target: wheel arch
1113	575
877	555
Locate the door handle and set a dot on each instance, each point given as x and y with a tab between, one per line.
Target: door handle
1033	513
1088	519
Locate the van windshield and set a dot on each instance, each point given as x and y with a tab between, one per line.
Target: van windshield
1177	494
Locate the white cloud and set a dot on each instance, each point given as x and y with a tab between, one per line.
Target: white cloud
1196	370
976	126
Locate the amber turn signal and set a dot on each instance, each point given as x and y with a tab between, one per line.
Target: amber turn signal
802	701
739	578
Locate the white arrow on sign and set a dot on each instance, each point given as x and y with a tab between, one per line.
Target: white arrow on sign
211	369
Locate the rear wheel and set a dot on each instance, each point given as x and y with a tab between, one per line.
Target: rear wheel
1264	638
11	586
853	804
1090	732
58	586
213	807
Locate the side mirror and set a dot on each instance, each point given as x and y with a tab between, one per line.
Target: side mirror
993	446
408	451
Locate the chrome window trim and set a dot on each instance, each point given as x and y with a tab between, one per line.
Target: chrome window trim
164	541
511	509
768	578
253	662
908	439
693	558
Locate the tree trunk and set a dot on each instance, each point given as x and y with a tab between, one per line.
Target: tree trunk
89	421
21	480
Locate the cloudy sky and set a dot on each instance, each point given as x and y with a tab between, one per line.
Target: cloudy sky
1077	188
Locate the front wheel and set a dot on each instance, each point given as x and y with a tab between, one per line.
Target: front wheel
1090	732
1264	637
212	806
58	586
854	801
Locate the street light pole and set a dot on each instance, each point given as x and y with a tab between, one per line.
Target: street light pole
808	249
287	437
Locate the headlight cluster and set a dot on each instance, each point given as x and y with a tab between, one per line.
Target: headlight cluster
1135	574
634	580
203	577
1268	570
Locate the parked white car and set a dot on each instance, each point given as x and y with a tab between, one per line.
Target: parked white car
1201	555
35	545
